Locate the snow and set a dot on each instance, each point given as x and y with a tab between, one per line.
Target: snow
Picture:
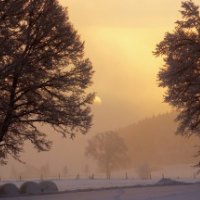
100	183
116	189
179	192
81	184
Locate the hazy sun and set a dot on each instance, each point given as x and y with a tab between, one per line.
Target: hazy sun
97	100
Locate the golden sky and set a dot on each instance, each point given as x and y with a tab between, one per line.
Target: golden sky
119	36
119	39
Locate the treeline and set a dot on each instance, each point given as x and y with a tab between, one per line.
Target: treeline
154	141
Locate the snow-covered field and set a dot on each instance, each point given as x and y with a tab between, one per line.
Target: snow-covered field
98	190
81	184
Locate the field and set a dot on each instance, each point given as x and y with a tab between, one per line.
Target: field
119	190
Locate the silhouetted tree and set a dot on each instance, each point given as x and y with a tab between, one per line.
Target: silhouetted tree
45	170
86	170
13	172
65	170
144	171
43	75
109	150
181	72
30	171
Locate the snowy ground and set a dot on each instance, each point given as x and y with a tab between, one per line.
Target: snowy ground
179	192
73	184
100	189
81	184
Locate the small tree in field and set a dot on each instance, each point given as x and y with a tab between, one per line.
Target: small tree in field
109	150
65	170
43	75
45	170
144	171
181	72
86	170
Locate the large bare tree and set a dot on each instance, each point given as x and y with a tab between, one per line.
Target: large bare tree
43	75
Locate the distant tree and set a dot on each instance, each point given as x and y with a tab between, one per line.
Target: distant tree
109	150
144	171
43	75
45	170
78	176
30	171
181	71
86	170
13	173
65	170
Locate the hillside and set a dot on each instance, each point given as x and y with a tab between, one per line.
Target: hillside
153	141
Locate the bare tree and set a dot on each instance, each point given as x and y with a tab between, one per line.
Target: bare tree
13	173
43	75
45	170
181	72
86	170
109	150
65	170
144	171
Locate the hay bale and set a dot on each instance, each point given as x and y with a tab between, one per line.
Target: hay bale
9	189
168	181
48	187
30	187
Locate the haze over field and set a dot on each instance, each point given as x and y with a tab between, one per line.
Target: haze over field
119	39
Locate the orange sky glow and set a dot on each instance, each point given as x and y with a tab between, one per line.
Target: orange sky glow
119	39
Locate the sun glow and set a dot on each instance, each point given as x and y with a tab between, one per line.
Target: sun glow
97	100
120	37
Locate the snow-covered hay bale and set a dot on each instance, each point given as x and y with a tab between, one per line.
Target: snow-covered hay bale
9	189
168	181
48	187
30	188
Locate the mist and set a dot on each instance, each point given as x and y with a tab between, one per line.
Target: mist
150	142
119	39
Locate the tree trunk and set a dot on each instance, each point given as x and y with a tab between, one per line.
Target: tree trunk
8	118
3	130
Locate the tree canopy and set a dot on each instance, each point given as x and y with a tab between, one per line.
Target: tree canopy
43	75
181	71
109	150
